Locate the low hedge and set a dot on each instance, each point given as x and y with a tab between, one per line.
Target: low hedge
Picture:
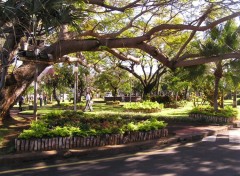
67	106
227	112
112	102
145	106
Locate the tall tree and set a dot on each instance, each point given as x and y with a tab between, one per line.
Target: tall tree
222	39
148	71
113	80
61	79
233	79
183	79
101	26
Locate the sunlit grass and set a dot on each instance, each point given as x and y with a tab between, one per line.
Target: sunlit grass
42	111
102	108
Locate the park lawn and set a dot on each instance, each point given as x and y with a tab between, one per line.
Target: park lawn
102	108
40	111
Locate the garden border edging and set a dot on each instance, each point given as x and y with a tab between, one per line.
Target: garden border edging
214	119
59	143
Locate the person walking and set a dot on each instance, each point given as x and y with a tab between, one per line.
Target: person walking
88	102
45	99
41	100
20	103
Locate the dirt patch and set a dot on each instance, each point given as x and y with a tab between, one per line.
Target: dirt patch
10	129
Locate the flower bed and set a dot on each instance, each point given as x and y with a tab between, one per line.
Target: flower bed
91	141
207	114
211	119
74	129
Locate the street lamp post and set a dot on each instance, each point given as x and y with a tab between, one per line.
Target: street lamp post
75	71
36	52
23	53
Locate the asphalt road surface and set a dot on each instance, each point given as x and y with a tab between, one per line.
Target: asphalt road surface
213	156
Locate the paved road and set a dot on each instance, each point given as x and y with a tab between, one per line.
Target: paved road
217	155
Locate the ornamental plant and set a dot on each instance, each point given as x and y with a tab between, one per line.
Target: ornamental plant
147	106
146	125
69	124
227	112
113	102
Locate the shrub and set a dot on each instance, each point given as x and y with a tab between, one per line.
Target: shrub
175	104
38	129
146	106
27	134
76	124
238	102
63	118
226	112
161	99
64	131
69	106
130	127
152	124
113	102
147	125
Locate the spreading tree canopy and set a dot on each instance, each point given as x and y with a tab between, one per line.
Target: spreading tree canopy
69	27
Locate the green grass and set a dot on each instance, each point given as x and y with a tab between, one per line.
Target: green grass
228	102
102	108
40	111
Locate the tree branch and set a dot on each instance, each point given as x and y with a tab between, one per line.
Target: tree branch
192	34
120	56
80	60
204	60
121	9
190	27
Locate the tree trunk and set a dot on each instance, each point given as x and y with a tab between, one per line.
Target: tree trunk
81	89
218	76
186	93
222	99
114	94
215	96
235	98
80	96
15	86
158	85
176	99
6	118
55	95
147	90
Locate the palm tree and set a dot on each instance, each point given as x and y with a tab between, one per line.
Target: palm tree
233	78
220	40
